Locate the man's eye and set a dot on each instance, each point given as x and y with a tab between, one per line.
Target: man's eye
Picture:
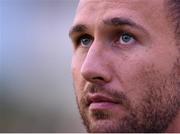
86	41
126	39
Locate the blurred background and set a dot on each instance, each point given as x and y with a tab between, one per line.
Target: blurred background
36	92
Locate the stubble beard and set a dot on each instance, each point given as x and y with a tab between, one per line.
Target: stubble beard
158	107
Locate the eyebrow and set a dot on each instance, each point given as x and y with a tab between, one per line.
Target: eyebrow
79	28
114	22
121	21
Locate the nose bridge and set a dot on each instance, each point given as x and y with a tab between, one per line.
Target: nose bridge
94	56
96	51
94	67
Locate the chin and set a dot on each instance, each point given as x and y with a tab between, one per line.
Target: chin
102	126
102	121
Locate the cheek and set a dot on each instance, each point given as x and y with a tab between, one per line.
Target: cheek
76	67
141	73
77	61
159	58
77	77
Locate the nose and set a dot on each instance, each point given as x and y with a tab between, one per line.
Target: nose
95	67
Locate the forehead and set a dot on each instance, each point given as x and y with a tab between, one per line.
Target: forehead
119	3
112	3
94	11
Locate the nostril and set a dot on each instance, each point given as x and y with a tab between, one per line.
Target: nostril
98	78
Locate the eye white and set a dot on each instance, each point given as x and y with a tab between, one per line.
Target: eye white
126	39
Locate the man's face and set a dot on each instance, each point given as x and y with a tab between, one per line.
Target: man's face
125	65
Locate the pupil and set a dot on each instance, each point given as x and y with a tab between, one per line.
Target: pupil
126	38
85	41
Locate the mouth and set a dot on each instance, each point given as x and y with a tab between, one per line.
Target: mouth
101	102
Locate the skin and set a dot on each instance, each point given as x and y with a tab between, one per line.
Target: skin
140	76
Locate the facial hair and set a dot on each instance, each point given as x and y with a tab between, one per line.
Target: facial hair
156	110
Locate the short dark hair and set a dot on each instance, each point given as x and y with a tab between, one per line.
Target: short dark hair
174	14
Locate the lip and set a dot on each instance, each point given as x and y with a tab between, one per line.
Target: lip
101	102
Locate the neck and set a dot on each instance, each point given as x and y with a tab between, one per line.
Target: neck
174	127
